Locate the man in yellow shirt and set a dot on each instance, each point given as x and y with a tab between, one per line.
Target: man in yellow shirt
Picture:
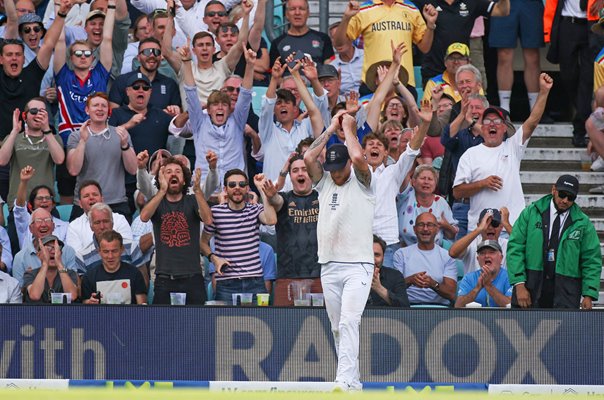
458	54
383	21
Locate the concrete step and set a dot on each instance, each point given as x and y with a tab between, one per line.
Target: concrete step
550	177
551	165
553	154
593	205
545	188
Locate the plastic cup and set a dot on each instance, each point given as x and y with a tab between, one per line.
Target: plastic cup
317	299
262	299
302	302
178	299
246	299
236	299
60	298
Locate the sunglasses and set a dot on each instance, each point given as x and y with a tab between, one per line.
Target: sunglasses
138	87
43	198
564	195
495	224
233	184
148	52
28	29
35	110
80	53
225	29
230	89
212	14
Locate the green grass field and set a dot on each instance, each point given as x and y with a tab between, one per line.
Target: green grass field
185	394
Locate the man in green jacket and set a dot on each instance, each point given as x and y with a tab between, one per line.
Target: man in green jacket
553	255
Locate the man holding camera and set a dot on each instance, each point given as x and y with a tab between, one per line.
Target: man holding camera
492	221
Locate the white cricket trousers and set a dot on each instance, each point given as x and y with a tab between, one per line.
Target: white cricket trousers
346	288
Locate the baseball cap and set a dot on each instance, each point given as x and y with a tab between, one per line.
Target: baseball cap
336	157
137	77
500	112
51	239
568	183
95	13
492	244
327	71
457	47
494	211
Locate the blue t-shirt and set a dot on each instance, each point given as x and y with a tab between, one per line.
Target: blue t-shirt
361	133
72	95
470	280
458	144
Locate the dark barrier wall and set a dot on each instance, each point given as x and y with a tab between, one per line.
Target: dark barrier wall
171	343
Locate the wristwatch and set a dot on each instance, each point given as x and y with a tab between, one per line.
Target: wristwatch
48	132
436	287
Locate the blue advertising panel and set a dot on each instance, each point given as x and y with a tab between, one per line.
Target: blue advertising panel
296	344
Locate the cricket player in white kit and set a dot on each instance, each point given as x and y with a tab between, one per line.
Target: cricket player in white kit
345	240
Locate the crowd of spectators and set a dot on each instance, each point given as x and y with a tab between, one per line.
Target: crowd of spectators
143	128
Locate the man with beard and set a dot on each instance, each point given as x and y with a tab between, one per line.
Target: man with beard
176	218
165	94
345	242
492	221
146	124
496	183
430	273
297	213
236	229
488	286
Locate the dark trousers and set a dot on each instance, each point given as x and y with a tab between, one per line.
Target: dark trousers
576	70
192	285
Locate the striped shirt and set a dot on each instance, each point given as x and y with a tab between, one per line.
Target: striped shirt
237	237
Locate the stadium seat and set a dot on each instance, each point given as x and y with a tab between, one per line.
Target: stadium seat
259	91
417	71
5	212
64	211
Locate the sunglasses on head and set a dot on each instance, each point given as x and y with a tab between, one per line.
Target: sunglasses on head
564	195
35	110
28	29
212	14
80	53
234	184
159	11
138	86
148	52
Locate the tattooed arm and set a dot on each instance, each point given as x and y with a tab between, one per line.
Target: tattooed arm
311	157
357	156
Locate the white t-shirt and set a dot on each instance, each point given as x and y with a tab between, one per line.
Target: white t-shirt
480	162
436	262
470	262
344	231
206	80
